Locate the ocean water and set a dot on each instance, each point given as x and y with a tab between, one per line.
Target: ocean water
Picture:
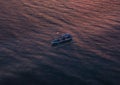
28	26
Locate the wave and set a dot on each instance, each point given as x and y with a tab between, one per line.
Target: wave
28	26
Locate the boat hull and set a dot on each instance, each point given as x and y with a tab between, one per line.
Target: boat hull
61	42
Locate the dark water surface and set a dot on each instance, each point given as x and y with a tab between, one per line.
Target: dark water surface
28	26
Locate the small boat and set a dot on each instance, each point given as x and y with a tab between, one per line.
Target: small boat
62	39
